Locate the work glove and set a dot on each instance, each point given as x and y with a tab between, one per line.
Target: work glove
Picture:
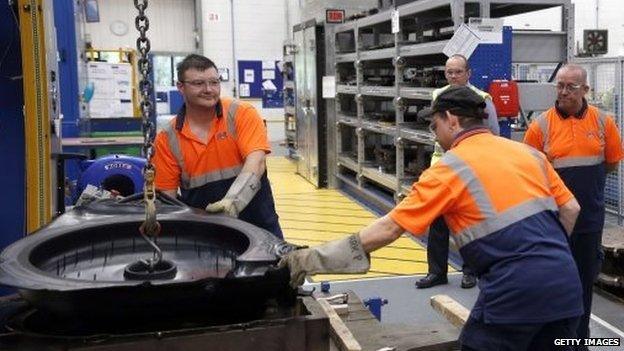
344	255
240	194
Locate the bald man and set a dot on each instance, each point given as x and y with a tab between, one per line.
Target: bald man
583	144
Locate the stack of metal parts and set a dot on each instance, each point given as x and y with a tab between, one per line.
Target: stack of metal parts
431	77
385	158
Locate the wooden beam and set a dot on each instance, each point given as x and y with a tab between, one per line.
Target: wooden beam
452	310
338	330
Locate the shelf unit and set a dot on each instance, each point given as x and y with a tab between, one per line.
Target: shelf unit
384	78
290	120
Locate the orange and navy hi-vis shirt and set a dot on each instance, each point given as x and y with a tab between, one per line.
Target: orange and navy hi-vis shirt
500	199
183	160
578	147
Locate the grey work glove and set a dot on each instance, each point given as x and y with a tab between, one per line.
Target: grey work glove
240	194
344	255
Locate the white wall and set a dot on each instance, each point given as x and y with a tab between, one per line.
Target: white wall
261	27
171	25
259	33
609	17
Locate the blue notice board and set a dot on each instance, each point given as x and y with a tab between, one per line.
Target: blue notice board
261	80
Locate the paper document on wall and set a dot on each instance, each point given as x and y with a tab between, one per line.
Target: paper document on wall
243	90
249	76
112	89
463	42
489	30
268	74
268	85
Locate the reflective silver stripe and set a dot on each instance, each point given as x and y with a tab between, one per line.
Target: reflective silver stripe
473	184
174	146
602	120
220	174
504	219
542	122
577	161
231	117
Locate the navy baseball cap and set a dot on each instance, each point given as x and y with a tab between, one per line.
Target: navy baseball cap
460	100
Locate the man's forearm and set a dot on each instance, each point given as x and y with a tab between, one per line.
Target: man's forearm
568	213
380	233
255	163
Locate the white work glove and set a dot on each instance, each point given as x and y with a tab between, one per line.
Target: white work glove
344	255
240	194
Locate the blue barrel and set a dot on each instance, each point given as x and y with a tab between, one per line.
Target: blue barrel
121	173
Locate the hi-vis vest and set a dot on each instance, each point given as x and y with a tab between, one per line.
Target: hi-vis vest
187	181
437	149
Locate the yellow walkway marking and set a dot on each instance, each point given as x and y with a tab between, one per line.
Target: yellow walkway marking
311	216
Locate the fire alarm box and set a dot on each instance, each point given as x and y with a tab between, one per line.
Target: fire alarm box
505	97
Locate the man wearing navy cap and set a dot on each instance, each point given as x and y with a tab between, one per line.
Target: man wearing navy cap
509	236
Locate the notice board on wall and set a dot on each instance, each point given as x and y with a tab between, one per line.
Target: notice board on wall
261	80
112	89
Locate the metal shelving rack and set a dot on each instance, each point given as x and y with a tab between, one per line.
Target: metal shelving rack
290	120
380	147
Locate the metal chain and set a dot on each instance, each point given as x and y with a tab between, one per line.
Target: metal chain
143	46
150	228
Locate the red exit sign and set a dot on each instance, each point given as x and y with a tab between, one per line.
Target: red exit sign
334	16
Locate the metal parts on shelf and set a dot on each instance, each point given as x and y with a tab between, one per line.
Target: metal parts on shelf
383	79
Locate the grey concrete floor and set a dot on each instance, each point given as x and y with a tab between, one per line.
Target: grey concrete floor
408	305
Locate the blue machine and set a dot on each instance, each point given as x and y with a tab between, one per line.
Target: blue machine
12	216
115	172
489	62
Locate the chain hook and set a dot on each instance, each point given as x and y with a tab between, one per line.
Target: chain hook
150	228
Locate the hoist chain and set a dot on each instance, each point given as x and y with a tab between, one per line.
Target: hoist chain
150	228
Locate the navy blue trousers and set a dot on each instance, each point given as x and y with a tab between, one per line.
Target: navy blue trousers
479	336
587	252
438	248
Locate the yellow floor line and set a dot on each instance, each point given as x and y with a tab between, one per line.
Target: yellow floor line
311	216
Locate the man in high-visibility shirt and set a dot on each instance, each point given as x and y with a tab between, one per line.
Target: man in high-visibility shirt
583	144
214	150
456	72
514	237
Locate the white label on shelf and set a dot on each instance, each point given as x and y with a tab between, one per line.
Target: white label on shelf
490	30
463	42
395	22
329	87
